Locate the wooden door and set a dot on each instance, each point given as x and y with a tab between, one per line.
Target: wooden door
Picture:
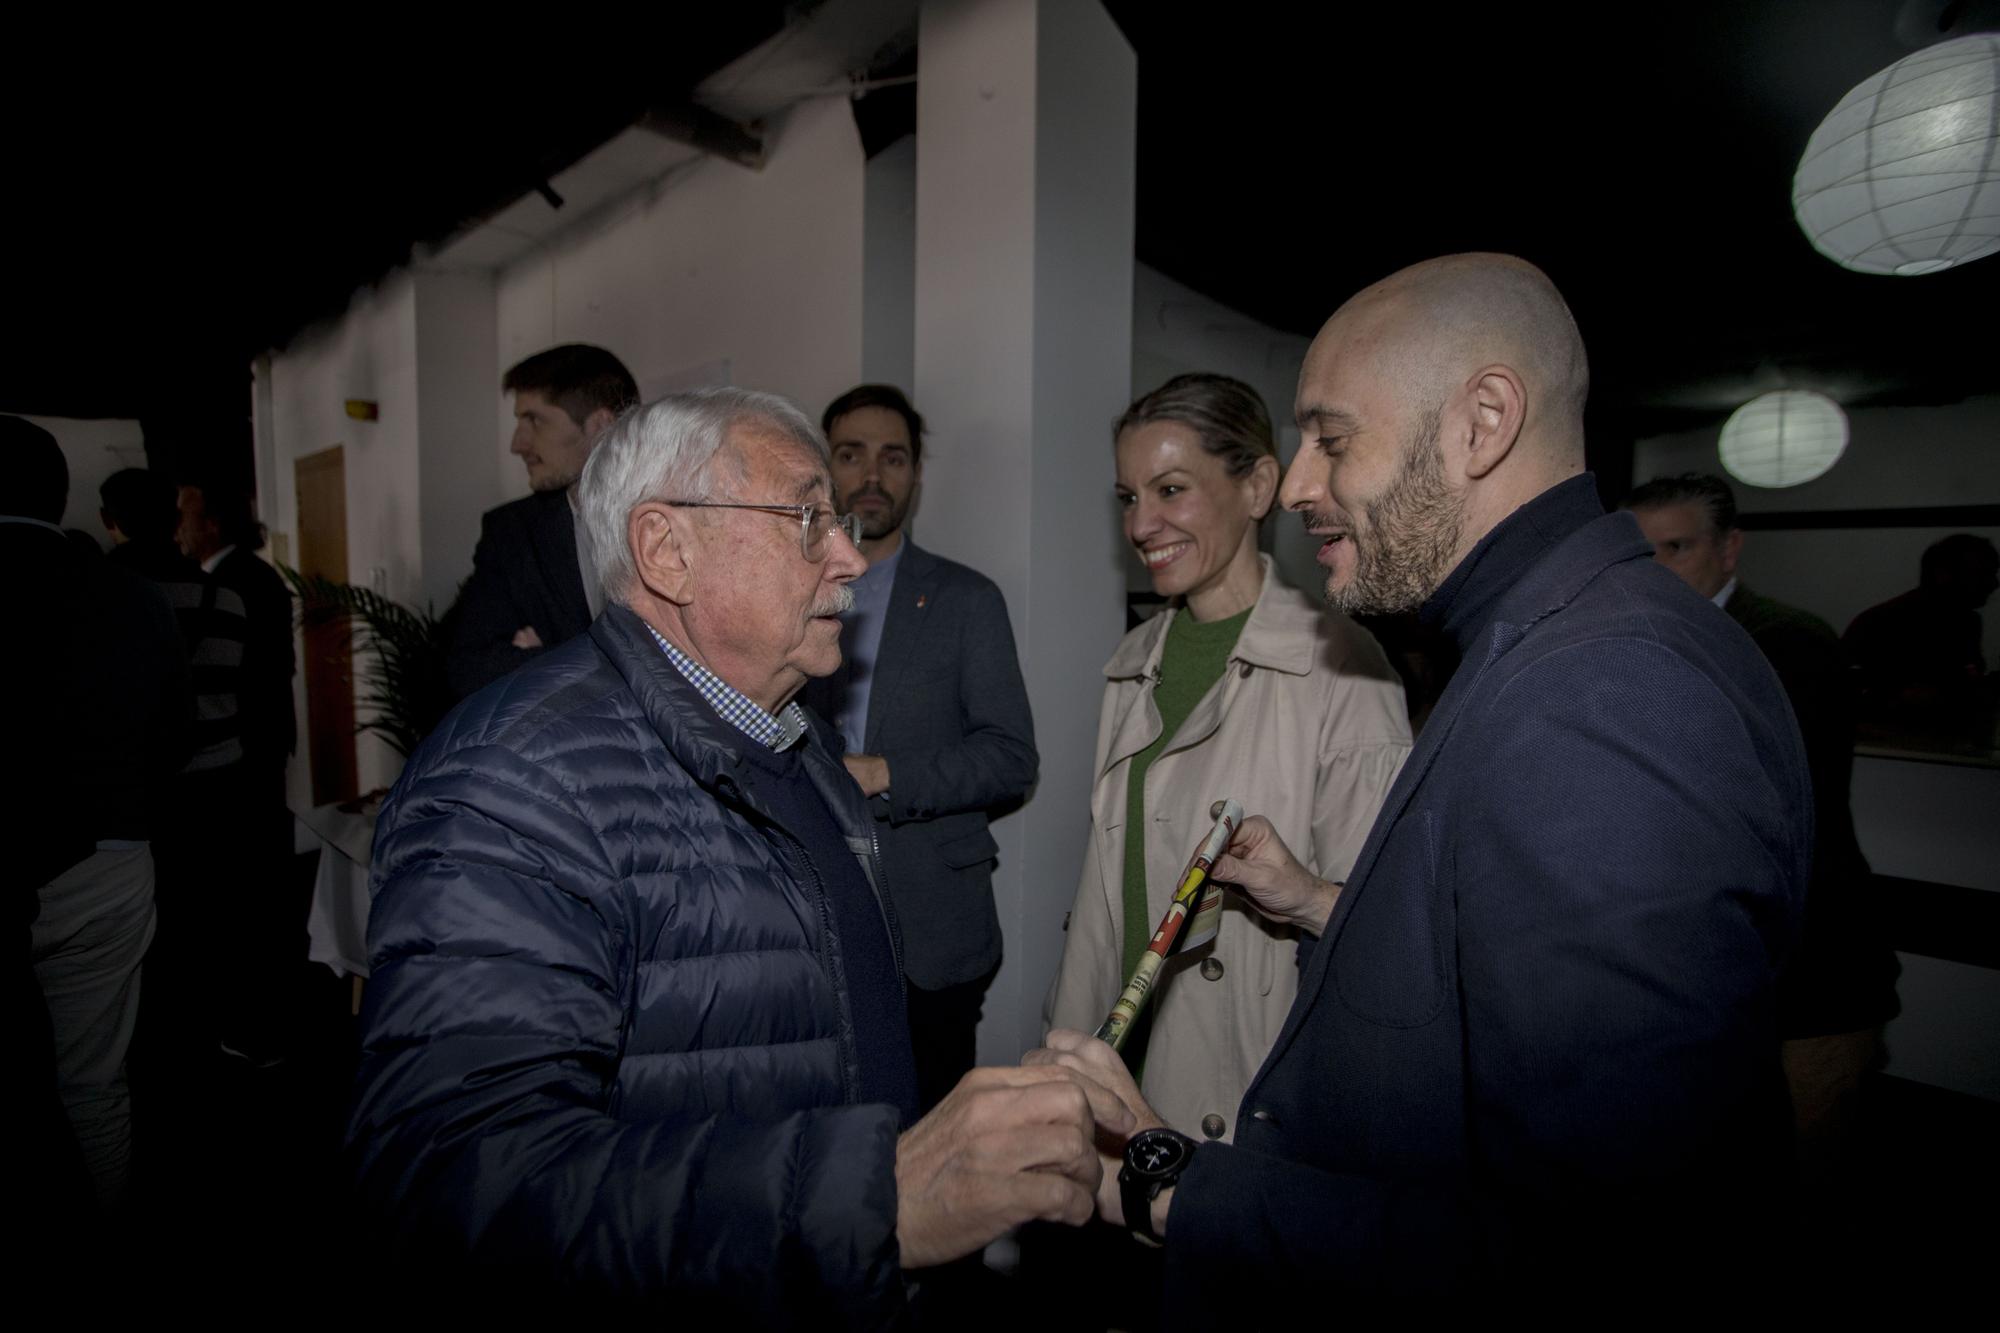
328	649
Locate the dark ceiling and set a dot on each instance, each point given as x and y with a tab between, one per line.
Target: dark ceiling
1642	155
179	210
185	202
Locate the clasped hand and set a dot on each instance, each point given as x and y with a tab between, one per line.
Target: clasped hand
1005	1146
1046	1141
1096	1064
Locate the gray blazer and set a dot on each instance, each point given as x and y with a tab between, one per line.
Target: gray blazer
949	712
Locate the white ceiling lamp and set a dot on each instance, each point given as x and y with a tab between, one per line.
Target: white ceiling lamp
1783	439
1904	175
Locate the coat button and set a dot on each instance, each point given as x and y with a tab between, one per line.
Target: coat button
1213	1125
1211	968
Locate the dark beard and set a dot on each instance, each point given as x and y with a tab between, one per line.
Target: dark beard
871	529
884	523
1412	533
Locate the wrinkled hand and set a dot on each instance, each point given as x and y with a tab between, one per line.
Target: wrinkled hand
1005	1146
870	770
1104	1067
1260	867
525	637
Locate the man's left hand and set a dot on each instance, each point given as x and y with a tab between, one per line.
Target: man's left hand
870	770
1095	1061
1259	866
1005	1146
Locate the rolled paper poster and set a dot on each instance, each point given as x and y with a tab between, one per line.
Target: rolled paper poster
1117	1024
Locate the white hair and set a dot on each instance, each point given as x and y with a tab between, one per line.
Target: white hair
667	449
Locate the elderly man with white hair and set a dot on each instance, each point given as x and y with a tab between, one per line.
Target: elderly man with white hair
635	1033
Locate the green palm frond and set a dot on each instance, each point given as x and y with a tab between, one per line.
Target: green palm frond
404	689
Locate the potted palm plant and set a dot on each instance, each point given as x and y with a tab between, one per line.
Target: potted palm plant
404	691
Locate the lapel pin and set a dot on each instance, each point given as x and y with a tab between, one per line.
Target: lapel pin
921	599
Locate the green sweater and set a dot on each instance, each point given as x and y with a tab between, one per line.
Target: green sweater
1191	661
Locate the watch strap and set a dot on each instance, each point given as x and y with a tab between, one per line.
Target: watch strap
1137	1195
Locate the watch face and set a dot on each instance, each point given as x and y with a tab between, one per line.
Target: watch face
1156	1154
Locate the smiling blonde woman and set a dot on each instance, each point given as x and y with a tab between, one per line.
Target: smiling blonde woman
1241	687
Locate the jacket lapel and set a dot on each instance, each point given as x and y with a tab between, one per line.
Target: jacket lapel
1138	725
554	535
1548	586
911	599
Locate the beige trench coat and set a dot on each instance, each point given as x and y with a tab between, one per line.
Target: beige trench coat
1306	727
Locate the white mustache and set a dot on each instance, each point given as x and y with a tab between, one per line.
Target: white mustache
836	603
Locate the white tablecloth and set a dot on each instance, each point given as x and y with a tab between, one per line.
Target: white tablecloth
337	925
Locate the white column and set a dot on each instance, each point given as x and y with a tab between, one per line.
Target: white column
1025	131
458	390
889	265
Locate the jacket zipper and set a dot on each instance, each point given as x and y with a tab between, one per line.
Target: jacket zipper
850	1057
875	882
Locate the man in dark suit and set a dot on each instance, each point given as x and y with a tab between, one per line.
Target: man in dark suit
197	845
1840	986
1534	1053
220	530
1920	654
140	512
930	699
527	591
102	720
237	811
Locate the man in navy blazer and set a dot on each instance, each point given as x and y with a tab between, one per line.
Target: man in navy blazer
1534	1053
930	699
527	592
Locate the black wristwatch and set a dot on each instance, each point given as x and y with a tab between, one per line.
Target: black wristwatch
1154	1159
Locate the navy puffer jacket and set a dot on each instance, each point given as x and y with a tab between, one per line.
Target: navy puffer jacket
606	1044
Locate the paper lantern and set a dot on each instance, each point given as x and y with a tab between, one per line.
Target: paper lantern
1904	176
1784	438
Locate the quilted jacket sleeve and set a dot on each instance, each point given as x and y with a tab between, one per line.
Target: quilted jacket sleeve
484	1131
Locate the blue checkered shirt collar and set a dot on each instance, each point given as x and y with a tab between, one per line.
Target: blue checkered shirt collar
735	707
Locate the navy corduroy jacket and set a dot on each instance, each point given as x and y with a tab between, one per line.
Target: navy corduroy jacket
606	1044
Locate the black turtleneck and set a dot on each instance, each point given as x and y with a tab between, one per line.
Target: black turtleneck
1463	605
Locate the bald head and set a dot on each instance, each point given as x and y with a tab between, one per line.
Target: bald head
1432	405
1436	325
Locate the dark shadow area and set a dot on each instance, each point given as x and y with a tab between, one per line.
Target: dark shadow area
238	1186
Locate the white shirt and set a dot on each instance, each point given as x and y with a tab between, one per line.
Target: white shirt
1723	594
208	565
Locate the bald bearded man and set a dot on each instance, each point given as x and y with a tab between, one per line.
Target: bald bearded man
1534	1054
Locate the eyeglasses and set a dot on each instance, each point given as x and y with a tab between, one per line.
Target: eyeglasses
817	522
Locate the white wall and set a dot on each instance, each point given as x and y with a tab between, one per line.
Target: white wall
1025	123
1932	821
716	272
1897	457
457	381
889	275
93	449
369	353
